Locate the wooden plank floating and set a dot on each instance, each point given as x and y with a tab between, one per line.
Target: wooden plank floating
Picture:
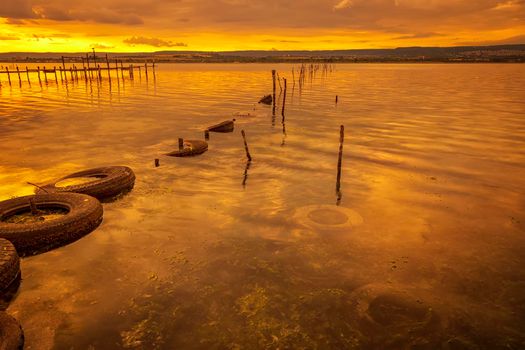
91	69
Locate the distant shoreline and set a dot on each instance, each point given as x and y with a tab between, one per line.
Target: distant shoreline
313	61
458	54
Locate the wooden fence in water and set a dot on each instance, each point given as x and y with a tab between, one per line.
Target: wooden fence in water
90	70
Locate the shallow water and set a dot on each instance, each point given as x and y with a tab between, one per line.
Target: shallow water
425	249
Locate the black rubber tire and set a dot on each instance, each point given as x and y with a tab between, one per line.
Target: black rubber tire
85	214
11	333
110	182
267	100
9	264
191	148
225	126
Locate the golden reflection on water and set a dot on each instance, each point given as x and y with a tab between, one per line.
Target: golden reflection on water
433	187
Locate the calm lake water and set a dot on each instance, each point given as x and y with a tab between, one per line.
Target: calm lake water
425	250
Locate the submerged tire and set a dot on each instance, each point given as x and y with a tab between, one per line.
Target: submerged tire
191	148
9	264
225	126
108	182
267	100
11	333
84	214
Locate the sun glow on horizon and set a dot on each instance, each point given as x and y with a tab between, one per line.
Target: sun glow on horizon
61	26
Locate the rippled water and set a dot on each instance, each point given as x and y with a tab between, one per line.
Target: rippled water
425	250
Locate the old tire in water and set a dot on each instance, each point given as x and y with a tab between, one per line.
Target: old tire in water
225	126
9	264
108	182
191	148
11	333
84	214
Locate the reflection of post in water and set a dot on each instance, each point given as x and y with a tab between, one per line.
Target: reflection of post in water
273	78
248	157
282	114
284	132
339	163
245	177
284	98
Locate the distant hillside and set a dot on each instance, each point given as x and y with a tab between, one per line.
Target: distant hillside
499	53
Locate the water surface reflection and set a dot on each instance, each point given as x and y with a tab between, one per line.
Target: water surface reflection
424	251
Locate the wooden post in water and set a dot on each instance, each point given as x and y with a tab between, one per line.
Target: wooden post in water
99	73
19	77
63	63
63	70
38	71
284	98
273	79
45	74
88	67
206	134
71	74
32	206
146	69
56	78
154	75
157	163
8	75
131	72
140	72
340	159
336	99
109	71
246	146
27	74
181	144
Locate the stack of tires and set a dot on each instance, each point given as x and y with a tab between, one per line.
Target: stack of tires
82	213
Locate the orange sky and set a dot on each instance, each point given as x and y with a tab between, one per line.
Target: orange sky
152	25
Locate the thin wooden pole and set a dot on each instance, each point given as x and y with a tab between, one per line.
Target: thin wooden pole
8	75
99	73
38	71
71	73
122	70
146	70
27	74
88	68
32	205
109	71
65	73
284	98
273	79
45	74
181	144
56	78
63	63
246	146
19	77
340	159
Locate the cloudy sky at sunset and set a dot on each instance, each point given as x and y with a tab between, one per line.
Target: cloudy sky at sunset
152	25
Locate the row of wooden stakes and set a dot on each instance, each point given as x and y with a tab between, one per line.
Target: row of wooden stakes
88	73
